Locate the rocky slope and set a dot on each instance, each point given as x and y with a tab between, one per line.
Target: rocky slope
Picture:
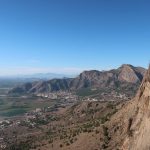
42	86
97	79
126	77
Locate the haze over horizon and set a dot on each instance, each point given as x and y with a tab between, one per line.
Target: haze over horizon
68	36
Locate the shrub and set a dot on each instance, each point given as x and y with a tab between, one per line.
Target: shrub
61	145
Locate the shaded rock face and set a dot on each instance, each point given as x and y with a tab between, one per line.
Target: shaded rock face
22	89
126	77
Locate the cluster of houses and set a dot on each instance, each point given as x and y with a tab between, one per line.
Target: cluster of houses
59	95
113	96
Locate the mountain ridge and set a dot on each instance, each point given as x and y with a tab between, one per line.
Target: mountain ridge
125	76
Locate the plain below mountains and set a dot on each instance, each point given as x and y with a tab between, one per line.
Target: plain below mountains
125	79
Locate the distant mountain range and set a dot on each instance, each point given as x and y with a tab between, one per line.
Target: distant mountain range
126	77
42	76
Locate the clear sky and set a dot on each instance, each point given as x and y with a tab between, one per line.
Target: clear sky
68	36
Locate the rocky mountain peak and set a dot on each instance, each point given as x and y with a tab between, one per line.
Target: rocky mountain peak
129	74
126	66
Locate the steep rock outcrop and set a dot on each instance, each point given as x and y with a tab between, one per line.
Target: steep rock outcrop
133	121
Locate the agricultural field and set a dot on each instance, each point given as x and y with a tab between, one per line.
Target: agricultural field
11	106
14	106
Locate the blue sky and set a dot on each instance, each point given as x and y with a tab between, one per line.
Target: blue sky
69	36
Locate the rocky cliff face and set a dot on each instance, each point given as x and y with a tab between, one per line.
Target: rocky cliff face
140	125
130	127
